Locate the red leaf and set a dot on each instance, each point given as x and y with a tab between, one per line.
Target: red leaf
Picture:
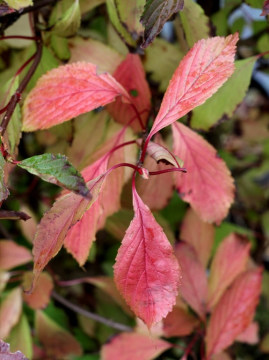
250	335
199	75
10	311
199	234
265	9
146	270
12	255
66	92
230	261
208	185
40	297
66	211
234	311
131	75
194	282
179	322
132	346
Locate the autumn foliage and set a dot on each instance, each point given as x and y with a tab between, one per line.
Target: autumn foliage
119	155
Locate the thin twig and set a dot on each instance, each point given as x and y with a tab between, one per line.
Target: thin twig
88	314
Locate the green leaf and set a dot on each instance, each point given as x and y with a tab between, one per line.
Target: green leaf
129	14
116	21
168	55
263	44
20	338
155	15
226	99
60	47
3	188
86	5
56	169
18	4
65	18
195	22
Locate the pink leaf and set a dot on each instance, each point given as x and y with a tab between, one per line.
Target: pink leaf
131	75
230	261
10	312
179	322
199	234
208	185
12	255
133	346
146	270
40	297
250	335
199	75
66	92
64	214
194	282
234	311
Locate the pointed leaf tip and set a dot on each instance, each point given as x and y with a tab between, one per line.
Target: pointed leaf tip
199	75
146	272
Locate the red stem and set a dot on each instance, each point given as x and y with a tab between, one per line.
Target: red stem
167	171
19	37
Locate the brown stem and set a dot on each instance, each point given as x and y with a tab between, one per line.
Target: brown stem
14	215
88	314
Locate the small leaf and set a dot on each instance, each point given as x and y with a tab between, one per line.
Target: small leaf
194	282
198	234
230	261
133	346
129	14
179	322
250	335
69	21
155	15
66	92
208	185
160	154
20	338
146	270
57	341
234	311
135	85
10	311
226	99
40	297
3	188
12	255
7	355
199	75
56	169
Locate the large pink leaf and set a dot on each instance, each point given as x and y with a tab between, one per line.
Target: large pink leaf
199	234
199	75
40	297
208	185
64	214
12	255
66	92
131	75
133	346
250	335
194	282
146	270
10	312
230	260
234	311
